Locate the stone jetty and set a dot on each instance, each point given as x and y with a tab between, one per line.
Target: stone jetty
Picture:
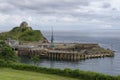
70	52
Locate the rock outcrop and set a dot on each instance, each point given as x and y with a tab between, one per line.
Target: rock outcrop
24	24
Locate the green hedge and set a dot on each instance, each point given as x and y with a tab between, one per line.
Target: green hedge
85	75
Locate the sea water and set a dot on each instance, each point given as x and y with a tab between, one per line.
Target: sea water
107	39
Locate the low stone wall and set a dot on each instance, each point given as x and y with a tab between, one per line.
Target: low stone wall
67	55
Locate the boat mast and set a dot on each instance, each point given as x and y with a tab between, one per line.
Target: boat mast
52	39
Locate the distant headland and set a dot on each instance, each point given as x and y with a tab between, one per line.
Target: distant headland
24	33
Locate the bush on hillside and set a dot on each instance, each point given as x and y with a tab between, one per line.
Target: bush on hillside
6	53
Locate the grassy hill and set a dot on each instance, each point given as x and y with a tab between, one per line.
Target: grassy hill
10	74
23	33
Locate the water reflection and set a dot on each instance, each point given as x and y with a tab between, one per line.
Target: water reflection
103	65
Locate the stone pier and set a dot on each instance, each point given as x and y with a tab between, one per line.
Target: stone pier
64	55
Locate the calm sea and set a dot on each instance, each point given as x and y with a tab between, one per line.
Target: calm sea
105	38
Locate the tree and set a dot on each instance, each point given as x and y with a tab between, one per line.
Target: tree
2	43
35	59
6	53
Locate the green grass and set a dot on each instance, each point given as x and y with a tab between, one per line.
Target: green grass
11	74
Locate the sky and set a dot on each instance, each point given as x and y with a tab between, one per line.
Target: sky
66	15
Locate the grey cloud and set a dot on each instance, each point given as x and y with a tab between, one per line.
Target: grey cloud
106	5
59	8
41	6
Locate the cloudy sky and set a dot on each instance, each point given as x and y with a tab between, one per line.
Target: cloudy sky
61	14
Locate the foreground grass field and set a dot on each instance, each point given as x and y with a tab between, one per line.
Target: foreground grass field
11	74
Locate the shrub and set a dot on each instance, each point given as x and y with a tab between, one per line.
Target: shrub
85	75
